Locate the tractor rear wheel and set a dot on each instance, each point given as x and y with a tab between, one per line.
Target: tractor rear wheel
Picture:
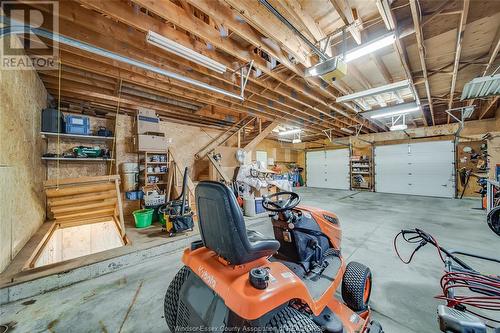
172	297
290	320
357	286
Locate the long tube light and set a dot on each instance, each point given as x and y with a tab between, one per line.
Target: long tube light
395	113
293	131
18	29
374	91
184	52
369	47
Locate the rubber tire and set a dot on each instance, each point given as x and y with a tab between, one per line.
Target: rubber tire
493	220
171	301
353	286
290	320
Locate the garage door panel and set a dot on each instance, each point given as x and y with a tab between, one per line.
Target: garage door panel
423	168
328	169
316	168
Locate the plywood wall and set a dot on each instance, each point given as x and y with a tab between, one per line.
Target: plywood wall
22	202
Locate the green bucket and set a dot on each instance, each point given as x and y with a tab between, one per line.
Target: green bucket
143	218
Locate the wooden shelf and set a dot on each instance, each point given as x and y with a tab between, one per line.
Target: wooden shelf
158	183
360	173
77	159
165	163
155	173
46	135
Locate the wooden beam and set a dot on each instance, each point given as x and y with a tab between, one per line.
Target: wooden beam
271	26
436	12
458	51
345	13
261	136
415	13
295	9
489	106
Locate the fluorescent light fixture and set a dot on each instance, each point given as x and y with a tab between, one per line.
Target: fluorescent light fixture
184	52
347	130
374	91
394	113
293	131
399	127
369	47
396	110
296	141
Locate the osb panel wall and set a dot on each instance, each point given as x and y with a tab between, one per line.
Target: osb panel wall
22	202
78	169
187	140
283	153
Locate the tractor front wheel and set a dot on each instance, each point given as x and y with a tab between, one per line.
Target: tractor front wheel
290	320
357	286
171	301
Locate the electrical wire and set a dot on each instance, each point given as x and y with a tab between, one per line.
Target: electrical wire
461	287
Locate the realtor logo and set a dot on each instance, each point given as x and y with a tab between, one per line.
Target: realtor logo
21	45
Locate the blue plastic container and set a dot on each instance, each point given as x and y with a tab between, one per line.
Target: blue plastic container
134	195
77	125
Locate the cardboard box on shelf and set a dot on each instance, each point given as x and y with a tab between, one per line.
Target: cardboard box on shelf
147	121
153	143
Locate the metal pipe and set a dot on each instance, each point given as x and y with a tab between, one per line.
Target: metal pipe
11	30
280	17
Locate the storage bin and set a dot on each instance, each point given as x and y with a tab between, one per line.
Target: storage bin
50	119
77	125
134	195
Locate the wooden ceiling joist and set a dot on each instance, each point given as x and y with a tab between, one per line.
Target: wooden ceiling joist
100	23
458	52
289	90
345	13
415	13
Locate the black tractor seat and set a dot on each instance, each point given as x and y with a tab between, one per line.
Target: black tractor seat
222	226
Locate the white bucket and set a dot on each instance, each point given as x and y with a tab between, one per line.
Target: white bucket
129	167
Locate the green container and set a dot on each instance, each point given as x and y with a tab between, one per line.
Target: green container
143	218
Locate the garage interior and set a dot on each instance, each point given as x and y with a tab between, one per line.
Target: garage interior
117	115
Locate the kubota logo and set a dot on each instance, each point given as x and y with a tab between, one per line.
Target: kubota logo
207	277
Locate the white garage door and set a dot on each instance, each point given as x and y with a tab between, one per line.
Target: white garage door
328	169
424	168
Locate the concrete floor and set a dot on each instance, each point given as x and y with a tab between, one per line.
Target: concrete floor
131	300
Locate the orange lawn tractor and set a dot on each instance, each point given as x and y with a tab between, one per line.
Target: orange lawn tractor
235	279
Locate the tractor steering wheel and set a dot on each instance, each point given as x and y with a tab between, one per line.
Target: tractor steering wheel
279	205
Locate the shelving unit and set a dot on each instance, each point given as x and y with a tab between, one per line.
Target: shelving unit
362	167
78	159
145	159
95	138
78	138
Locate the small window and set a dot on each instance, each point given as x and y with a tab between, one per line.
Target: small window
261	155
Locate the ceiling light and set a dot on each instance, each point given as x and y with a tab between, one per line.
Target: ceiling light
399	127
184	52
296	141
369	47
293	131
395	113
399	109
374	91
